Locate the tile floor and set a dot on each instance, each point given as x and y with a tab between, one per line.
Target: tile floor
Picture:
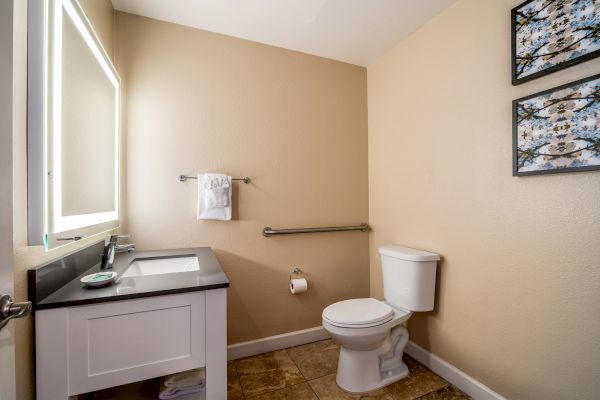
304	372
307	372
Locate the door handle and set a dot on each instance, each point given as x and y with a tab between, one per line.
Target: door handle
11	310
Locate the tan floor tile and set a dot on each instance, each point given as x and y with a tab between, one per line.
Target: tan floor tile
316	359
412	364
301	391
447	393
267	372
234	389
326	388
415	385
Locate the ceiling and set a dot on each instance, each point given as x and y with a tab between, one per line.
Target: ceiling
353	31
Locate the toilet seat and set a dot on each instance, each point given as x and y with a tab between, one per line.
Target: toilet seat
358	313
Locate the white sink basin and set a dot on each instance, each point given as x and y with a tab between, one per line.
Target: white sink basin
160	266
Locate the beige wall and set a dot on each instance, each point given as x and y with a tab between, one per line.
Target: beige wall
25	256
101	16
296	124
517	300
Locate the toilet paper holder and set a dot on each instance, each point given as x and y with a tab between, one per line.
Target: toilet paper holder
297	282
296	272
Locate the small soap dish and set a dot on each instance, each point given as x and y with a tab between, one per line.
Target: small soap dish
99	279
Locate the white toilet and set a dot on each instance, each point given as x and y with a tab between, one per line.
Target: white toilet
372	333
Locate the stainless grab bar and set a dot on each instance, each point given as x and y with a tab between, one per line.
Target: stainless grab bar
183	178
268	231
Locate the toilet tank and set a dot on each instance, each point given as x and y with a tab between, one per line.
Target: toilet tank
408	277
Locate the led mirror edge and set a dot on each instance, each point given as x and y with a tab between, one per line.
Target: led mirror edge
40	225
58	223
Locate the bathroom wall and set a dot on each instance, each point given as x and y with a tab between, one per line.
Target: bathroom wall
295	123
517	299
100	13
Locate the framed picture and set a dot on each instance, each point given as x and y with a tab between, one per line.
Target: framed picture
549	35
558	130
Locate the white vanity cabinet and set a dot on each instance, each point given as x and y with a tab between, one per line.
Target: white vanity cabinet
85	348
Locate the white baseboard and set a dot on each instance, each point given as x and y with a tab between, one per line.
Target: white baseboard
466	383
278	342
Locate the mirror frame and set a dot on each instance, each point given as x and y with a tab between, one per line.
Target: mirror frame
46	224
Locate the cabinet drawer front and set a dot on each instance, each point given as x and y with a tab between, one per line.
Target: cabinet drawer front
127	341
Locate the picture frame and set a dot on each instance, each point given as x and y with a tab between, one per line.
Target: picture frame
550	35
558	130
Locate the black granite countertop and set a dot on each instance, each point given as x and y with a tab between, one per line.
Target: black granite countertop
47	291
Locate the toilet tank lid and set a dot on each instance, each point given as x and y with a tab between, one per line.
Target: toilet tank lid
406	253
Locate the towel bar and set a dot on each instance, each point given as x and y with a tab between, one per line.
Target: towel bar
268	231
183	178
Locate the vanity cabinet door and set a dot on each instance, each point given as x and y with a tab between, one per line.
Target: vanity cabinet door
120	342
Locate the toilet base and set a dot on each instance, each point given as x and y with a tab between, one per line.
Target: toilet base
365	385
362	371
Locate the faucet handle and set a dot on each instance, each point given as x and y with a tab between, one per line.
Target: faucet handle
121	248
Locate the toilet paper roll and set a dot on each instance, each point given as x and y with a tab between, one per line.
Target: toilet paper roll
298	285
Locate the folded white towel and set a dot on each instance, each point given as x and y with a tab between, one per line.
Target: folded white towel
168	393
201	395
216	190
214	197
187	378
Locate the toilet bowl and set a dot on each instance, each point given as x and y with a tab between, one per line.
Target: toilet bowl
372	333
372	337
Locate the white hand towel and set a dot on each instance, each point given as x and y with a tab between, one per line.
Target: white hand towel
214	197
201	395
187	378
216	189
167	393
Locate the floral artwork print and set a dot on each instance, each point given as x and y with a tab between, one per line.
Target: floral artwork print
558	130
552	34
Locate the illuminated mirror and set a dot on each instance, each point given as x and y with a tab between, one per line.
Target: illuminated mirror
73	132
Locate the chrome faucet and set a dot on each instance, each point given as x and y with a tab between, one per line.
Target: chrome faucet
111	248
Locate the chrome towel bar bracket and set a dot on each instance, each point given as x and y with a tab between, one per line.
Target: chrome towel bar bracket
268	231
183	178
